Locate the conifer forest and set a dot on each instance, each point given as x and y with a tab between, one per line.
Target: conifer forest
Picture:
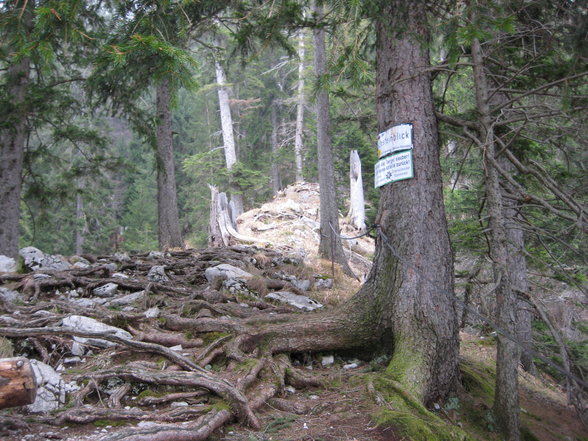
432	153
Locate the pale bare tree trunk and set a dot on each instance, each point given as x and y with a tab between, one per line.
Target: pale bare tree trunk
228	133
330	246
276	181
169	232
298	139
506	400
356	197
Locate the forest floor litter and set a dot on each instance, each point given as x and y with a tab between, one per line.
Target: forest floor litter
124	367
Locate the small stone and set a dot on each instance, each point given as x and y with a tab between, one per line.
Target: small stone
152	312
179	404
328	360
177	348
72	360
157	274
127	300
7	264
208	367
8	295
120	275
321	283
107	290
314	397
350	366
436	406
290	389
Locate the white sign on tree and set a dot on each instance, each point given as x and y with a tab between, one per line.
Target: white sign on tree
394	168
394	139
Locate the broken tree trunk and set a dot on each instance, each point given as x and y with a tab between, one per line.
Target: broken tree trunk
221	227
17	382
356	197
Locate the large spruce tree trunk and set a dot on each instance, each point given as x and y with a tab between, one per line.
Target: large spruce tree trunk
506	400
411	283
169	231
330	246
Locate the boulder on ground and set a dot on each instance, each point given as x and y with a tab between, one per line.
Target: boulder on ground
35	259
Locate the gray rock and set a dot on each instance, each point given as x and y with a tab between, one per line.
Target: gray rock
35	259
157	274
302	285
77	349
120	275
122	257
108	290
9	296
321	283
88	324
50	389
7	264
328	360
127	300
350	366
300	302
226	271
88	303
176	404
152	312
155	255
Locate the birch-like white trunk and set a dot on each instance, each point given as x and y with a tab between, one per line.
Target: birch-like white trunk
227	130
298	140
356	196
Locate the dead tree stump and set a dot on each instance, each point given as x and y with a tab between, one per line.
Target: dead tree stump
18	386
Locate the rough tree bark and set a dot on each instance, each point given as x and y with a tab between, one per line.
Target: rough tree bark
506	400
13	138
298	140
356	198
227	129
411	297
330	246
169	232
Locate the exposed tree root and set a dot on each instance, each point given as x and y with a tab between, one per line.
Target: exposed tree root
233	351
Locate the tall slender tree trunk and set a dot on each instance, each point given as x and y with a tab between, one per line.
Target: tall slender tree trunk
81	225
228	134
330	246
517	265
169	231
298	137
411	282
13	137
276	181
506	400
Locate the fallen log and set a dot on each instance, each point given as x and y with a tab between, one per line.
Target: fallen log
18	386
